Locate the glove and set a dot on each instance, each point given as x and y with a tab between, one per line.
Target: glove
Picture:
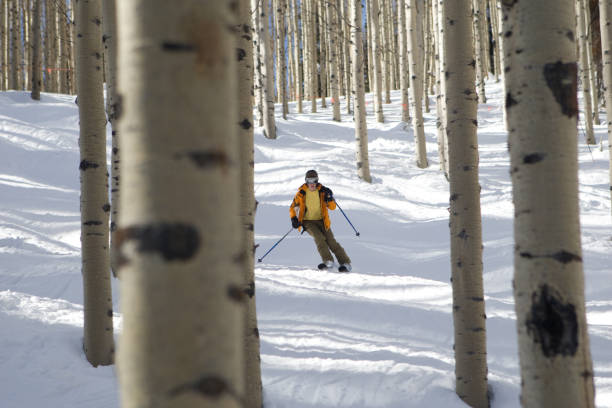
328	194
294	222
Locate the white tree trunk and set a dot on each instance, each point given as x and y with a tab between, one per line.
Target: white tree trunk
584	73
253	396
605	18
180	233
416	81
361	128
404	67
441	87
478	55
332	34
98	340
542	112
281	35
109	24
297	50
265	48
465	220
377	56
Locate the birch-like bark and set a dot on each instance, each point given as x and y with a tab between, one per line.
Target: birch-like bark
297	51
441	89
109	40
323	43
332	34
179	229
416	82
36	39
542	112
478	54
361	128
265	49
605	18
404	67
465	219
4	43
253	391
344	21
584	74
377	54
98	342
257	63
15	49
281	34
385	32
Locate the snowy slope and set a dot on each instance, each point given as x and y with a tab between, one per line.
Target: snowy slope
380	336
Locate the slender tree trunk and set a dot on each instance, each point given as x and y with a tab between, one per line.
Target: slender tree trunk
265	49
281	55
98	341
404	67
332	34
109	39
4	43
478	41
377	53
584	73
70	75
361	128
36	74
605	18
257	63
440	85
297	49
465	219
15	49
346	27
416	82
247	202
386	49
179	229
542	112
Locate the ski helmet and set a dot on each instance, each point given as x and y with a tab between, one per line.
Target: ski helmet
311	176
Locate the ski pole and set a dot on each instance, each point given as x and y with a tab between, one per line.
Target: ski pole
274	246
349	221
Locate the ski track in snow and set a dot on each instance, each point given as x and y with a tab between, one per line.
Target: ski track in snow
380	336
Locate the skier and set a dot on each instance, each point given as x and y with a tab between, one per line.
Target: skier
313	200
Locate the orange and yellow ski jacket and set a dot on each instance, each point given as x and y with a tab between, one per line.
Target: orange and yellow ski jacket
299	201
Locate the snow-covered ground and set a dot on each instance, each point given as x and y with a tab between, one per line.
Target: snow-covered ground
380	336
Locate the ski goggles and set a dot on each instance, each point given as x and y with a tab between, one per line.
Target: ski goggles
312	180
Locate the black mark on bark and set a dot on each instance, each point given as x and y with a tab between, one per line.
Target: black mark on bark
552	323
84	165
562	80
174	242
533	158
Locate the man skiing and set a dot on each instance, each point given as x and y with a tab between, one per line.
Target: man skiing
313	200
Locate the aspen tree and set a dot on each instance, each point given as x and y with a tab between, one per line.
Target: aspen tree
416	83
322	52
182	300
377	53
299	78
4	45
605	18
591	63
344	22
369	42
332	34
257	63
253	387
281	76
386	49
25	60
465	219
440	87
478	40
312	53
404	81
70	77
265	50
109	40
542	112
15	49
36	74
98	342
584	73
361	128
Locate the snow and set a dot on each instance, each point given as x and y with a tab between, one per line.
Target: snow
380	336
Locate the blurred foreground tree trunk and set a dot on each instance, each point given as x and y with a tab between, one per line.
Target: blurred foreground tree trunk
542	111
179	230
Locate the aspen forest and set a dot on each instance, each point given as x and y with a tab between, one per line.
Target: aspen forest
151	150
